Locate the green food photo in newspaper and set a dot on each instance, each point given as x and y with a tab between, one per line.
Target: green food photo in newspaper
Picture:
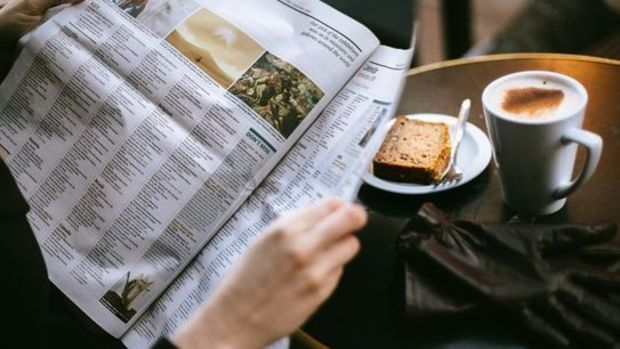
278	92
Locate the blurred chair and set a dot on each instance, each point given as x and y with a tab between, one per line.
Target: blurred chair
609	47
582	27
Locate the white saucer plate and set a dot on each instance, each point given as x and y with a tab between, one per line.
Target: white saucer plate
473	157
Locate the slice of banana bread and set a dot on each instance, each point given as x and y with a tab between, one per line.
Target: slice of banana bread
413	151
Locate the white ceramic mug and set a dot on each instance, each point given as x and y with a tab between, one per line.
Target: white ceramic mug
535	157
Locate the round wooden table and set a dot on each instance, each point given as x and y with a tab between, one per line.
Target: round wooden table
366	309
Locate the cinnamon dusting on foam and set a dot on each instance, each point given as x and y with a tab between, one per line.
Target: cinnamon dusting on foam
531	102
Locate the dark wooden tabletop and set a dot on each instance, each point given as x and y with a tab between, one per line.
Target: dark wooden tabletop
366	309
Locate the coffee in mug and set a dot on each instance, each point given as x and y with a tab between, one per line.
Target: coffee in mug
534	120
535	98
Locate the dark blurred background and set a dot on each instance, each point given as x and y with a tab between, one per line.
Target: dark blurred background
453	28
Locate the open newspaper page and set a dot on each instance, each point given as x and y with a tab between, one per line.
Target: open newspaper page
134	146
328	160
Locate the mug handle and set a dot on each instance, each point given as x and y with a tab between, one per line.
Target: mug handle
593	144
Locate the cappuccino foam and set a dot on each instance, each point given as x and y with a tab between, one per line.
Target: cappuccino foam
531	98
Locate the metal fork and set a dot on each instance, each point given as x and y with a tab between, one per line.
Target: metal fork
452	173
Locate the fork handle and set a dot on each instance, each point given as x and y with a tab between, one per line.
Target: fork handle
460	127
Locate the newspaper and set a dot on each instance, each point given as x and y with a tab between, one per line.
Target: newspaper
154	140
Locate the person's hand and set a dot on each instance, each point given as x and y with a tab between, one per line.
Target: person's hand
281	280
17	17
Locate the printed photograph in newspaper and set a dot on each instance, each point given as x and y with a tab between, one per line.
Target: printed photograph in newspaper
216	46
278	92
123	297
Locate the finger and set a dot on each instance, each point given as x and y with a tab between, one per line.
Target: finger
39	7
337	254
600	280
319	284
541	328
603	253
565	237
303	219
330	284
47	4
33	7
576	325
605	313
319	276
344	221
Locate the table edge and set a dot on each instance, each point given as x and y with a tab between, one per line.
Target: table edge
510	56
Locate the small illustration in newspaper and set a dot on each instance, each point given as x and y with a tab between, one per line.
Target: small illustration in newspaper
121	299
216	46
132	7
278	92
